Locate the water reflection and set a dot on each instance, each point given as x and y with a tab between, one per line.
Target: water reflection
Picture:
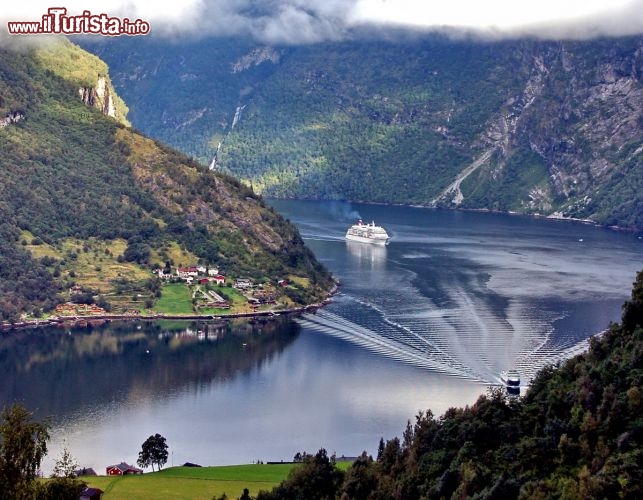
367	255
56	371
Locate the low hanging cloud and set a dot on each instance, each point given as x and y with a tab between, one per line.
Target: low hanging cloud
310	21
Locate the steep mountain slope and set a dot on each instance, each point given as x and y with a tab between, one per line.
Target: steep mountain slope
537	127
87	201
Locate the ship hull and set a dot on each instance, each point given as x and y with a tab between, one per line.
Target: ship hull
363	239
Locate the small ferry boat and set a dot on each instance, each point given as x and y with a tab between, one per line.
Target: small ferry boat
367	233
511	379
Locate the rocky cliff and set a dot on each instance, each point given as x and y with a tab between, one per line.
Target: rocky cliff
579	116
99	97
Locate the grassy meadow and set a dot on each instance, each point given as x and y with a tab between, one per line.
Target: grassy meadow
175	299
192	482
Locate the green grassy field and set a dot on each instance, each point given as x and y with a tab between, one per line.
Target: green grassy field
193	482
175	299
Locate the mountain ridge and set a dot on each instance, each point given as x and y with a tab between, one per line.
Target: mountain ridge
90	206
399	121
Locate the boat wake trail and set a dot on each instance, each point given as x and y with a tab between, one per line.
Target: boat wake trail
417	353
468	339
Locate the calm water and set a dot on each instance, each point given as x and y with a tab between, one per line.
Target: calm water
424	323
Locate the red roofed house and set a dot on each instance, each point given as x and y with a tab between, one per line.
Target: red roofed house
123	469
219	279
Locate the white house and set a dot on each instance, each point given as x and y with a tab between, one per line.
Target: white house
163	275
184	272
243	284
213	271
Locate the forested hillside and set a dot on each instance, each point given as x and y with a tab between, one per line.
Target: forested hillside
531	126
86	201
577	433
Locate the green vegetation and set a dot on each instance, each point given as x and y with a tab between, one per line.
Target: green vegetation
88	202
23	444
153	452
193	482
396	121
175	299
513	188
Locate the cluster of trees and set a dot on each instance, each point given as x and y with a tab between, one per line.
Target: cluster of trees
153	452
577	433
25	283
510	191
23	445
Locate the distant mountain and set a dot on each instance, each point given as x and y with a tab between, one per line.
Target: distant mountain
88	206
552	128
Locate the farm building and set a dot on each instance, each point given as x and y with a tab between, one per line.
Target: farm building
91	494
123	469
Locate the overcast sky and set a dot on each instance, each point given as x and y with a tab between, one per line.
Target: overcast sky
305	21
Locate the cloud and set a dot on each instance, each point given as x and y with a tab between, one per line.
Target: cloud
309	21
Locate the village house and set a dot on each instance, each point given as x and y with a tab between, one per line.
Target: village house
219	279
123	469
201	269
265	296
164	274
85	471
185	272
213	271
243	284
71	309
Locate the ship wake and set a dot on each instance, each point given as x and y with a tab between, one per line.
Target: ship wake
468	339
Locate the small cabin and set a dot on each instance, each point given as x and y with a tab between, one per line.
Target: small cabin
85	471
91	494
123	469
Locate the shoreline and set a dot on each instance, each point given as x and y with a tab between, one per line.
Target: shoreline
553	217
74	320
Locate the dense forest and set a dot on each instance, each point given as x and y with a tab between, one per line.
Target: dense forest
551	127
78	188
576	433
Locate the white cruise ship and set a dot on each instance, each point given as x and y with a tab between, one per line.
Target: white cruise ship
367	233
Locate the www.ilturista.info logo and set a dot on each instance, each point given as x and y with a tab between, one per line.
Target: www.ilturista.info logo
57	22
